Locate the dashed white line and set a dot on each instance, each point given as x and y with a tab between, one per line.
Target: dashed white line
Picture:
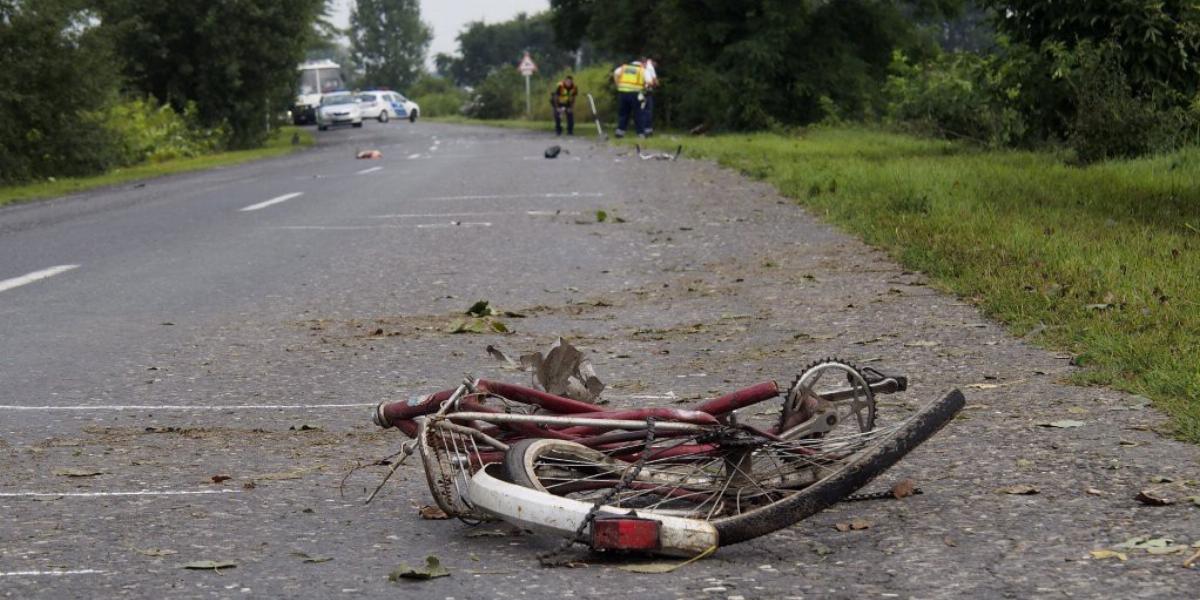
113	494
50	573
370	170
15	282
276	200
16	407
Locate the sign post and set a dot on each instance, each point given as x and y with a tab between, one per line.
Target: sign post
527	68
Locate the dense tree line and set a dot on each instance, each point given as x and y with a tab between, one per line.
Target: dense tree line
1107	77
86	85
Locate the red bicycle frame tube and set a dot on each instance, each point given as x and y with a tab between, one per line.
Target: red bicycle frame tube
740	399
550	402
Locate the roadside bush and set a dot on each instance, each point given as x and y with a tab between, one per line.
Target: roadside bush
500	96
441	105
145	131
958	95
1112	121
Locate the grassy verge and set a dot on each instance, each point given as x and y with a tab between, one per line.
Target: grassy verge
1101	261
279	144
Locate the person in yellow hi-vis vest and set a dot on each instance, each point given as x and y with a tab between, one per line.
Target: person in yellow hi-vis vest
562	100
631	84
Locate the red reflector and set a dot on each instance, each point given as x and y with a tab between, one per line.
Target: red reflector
617	532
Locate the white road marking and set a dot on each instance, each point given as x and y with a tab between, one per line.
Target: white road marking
15	282
455	224
112	494
515	196
277	200
371	170
183	407
52	573
413	156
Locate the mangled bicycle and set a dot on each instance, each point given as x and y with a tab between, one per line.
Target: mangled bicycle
660	479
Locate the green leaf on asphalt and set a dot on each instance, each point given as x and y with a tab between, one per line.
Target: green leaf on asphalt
206	565
433	569
601	216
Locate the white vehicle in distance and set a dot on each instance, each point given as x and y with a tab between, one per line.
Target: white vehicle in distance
315	78
339	108
410	107
381	105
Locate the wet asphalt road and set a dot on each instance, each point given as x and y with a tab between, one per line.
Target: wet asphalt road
240	323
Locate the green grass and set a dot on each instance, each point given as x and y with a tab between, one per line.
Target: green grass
279	144
1103	262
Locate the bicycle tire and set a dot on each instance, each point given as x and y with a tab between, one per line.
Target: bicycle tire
851	475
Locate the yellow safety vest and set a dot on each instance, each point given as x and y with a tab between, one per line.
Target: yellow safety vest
565	95
631	79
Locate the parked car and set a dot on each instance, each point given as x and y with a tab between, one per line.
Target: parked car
410	107
381	105
339	108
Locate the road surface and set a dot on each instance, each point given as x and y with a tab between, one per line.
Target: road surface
187	368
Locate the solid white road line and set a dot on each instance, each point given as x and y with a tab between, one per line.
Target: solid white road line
183	407
277	200
15	282
113	494
371	170
51	573
514	196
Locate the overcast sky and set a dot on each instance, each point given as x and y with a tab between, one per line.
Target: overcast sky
447	17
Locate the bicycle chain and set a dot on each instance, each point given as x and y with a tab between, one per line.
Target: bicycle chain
554	557
888	495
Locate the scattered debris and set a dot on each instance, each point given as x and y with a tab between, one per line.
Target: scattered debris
432	513
565	371
1154	498
155	551
77	472
220	478
854	525
480	320
209	565
1104	554
1020	489
659	567
1191	560
658	155
369	155
553	151
1063	424
304	557
433	569
904	488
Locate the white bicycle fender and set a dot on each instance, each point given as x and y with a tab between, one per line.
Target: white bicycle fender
560	516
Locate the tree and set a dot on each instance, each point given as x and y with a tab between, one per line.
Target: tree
58	69
388	41
236	59
483	47
755	63
1158	40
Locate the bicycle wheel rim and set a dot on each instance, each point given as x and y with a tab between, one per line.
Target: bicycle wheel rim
849	478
